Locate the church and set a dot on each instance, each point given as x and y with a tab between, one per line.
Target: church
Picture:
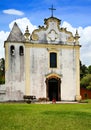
44	63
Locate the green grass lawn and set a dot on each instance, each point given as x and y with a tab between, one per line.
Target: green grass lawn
45	116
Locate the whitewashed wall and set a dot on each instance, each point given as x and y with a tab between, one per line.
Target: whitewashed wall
39	69
15	75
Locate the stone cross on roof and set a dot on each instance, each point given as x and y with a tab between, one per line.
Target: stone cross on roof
52	9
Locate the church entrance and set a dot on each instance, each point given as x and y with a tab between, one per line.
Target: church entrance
53	88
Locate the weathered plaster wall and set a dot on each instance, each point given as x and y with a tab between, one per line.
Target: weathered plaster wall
40	68
68	86
2	92
15	74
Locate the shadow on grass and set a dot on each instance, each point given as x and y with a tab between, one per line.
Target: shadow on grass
67	113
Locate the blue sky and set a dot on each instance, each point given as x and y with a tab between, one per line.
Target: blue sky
75	14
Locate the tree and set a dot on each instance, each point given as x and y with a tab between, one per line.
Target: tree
89	69
85	76
2	71
86	81
83	70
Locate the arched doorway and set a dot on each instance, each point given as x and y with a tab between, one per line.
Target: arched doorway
53	88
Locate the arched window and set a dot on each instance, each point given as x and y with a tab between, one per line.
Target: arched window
21	50
12	50
53	60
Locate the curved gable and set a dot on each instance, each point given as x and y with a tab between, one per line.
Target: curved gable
52	33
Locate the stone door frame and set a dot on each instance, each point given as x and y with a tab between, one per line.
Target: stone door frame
59	86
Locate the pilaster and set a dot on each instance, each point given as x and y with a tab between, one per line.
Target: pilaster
78	96
6	57
27	71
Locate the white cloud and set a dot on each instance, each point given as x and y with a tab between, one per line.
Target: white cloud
13	12
85	41
23	23
69	27
3	37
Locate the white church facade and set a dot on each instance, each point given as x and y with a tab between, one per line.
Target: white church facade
44	63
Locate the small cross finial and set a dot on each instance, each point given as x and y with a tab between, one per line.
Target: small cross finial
52	9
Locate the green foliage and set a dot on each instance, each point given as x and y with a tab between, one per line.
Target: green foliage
86	81
2	71
86	101
2	79
45	116
83	70
85	76
89	69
